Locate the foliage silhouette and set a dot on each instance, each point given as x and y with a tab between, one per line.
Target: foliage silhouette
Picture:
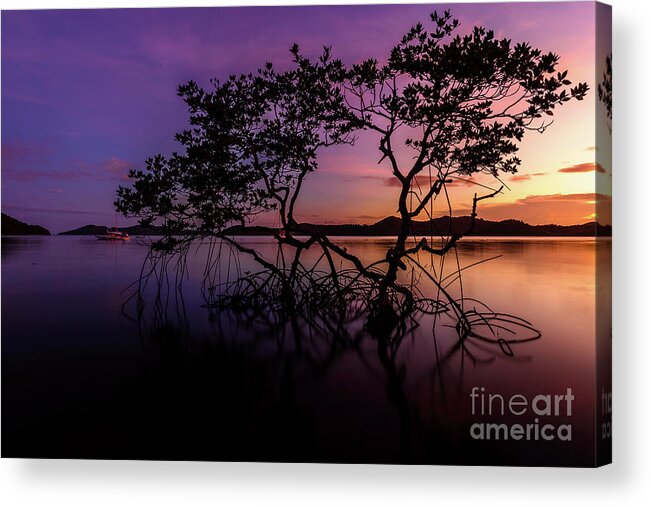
605	89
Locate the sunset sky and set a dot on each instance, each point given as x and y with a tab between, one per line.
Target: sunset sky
86	95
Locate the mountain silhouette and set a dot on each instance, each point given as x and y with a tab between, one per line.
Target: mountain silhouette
14	227
92	230
445	225
389	226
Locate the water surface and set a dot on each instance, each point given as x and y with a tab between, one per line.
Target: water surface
82	379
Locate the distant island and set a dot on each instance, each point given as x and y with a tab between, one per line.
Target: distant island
389	227
13	227
92	230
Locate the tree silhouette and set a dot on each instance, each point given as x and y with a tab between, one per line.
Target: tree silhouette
605	89
253	140
460	104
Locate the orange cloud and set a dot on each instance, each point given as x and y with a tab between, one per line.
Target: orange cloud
586	167
463	182
524	177
561	209
586	197
425	183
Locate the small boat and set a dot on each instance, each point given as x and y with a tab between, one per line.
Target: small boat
113	234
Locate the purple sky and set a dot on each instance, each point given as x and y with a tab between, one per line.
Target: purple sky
88	94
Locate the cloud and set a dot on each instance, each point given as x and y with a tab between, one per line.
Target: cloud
463	182
586	167
20	153
19	162
562	209
118	168
16	174
55	210
586	197
425	183
19	157
353	218
367	177
525	177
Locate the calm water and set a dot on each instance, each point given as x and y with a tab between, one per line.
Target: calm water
82	379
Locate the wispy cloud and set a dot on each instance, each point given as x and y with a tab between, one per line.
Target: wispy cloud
21	153
32	162
525	177
16	174
564	209
586	167
584	197
55	210
118	168
364	218
424	182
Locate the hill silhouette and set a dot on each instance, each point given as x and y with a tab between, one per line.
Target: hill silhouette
389	226
92	230
14	227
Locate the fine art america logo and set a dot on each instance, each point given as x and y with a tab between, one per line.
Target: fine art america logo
532	410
